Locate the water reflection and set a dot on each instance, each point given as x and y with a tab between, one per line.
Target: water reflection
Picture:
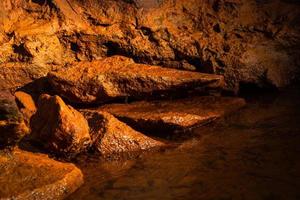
253	154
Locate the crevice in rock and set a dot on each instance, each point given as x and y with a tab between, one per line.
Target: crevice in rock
23	53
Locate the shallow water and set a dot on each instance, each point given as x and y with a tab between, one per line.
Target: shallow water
253	154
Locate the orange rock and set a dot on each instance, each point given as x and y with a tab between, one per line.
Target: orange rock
26	105
14	75
59	127
117	76
27	175
12	126
110	136
168	116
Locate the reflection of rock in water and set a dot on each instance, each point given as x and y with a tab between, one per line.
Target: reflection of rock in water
251	154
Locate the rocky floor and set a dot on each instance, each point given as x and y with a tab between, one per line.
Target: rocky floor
82	109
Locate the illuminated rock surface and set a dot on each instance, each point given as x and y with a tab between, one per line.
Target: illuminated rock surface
111	136
15	75
221	37
26	105
117	77
26	175
59	128
168	116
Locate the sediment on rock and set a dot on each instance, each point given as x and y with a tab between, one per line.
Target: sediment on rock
173	115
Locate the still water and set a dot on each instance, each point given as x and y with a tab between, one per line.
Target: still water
252	154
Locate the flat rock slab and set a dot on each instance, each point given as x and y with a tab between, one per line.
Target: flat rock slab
118	77
169	116
25	175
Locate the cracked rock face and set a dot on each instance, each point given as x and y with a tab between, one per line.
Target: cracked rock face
176	115
59	128
111	136
244	40
117	77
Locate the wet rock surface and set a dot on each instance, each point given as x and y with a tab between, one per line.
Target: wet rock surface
117	77
59	128
111	136
12	125
26	175
174	115
253	154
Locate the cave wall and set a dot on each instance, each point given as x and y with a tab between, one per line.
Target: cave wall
248	41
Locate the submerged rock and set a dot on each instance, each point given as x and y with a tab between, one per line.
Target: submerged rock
111	136
59	127
26	105
27	175
168	116
12	125
117	77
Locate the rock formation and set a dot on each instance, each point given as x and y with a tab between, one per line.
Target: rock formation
175	115
117	77
12	125
247	41
26	105
59	128
26	175
112	137
91	52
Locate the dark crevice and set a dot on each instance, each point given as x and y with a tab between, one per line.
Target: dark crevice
24	54
75	47
247	89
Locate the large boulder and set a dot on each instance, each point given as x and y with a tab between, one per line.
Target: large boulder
111	136
59	128
12	125
116	77
175	115
32	176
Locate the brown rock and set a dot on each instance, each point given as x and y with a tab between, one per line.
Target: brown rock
14	75
168	116
110	136
170	33
59	127
26	105
26	175
12	126
117	76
